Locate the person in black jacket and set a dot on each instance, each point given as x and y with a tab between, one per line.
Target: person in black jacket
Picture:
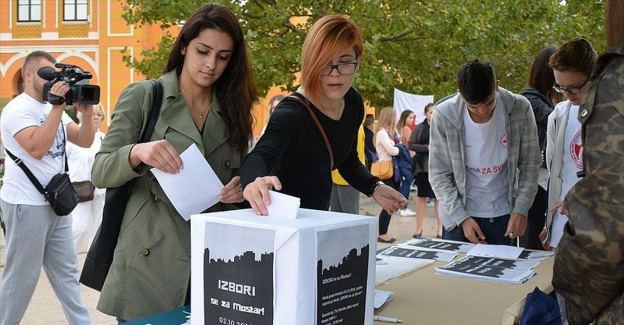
543	97
296	154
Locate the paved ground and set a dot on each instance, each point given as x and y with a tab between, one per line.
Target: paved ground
45	309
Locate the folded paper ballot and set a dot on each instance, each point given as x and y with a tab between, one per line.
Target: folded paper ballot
316	269
283	205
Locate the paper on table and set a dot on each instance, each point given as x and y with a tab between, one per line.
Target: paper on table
201	186
381	297
283	205
411	252
397	266
499	251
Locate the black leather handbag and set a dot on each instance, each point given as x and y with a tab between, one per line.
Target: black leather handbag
85	190
100	255
61	194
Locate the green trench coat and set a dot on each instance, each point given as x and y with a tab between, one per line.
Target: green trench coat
151	267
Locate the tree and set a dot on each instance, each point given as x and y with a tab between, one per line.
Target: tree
415	46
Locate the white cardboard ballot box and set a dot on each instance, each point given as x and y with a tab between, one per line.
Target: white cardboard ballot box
318	269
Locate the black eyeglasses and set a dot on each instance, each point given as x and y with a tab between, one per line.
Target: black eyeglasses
571	90
344	69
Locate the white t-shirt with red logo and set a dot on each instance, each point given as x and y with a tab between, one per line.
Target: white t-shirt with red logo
487	186
572	163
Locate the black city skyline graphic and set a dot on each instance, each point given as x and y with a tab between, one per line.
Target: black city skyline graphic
242	289
341	289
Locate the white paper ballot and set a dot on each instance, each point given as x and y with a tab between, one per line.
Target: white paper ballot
195	188
283	205
498	251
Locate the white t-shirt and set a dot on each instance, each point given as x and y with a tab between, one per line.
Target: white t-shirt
20	113
571	164
487	186
81	160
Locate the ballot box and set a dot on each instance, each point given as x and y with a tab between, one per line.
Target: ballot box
318	268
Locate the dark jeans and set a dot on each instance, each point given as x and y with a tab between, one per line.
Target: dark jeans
493	229
536	220
384	217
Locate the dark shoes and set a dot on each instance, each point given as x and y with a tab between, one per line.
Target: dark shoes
389	241
417	235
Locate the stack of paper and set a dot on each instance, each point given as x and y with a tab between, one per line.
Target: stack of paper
534	255
410	252
490	268
391	267
441	245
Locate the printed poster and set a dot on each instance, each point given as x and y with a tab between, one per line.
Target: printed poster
342	275
238	275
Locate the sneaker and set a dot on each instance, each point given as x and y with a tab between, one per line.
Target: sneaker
407	212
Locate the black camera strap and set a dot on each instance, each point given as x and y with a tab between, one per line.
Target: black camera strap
33	179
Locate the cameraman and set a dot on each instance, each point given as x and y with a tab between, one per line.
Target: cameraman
36	132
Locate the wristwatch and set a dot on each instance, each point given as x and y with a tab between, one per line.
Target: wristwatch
375	187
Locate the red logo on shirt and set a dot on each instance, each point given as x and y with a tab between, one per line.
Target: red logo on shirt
503	141
576	150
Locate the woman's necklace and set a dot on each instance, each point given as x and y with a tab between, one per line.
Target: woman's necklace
192	107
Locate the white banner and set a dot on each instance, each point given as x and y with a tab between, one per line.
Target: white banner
416	103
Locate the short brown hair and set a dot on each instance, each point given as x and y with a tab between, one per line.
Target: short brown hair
576	55
36	56
326	37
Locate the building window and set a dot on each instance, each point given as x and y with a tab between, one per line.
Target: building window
75	10
29	11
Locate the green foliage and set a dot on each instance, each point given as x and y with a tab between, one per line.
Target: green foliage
415	46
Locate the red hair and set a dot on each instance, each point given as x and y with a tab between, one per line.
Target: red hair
327	36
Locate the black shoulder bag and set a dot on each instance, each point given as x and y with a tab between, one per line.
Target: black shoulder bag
100	255
59	192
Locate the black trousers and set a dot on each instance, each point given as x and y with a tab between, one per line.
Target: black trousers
535	221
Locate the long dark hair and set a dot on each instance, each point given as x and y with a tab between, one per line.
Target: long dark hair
542	77
235	89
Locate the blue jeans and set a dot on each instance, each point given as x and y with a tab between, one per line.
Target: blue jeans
493	229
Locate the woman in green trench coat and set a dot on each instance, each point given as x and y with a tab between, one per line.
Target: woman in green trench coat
207	101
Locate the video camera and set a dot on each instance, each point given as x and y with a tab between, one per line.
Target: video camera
71	74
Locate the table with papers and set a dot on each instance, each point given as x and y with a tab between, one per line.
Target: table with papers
424	297
420	296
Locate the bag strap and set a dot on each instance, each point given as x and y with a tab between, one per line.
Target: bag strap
19	162
296	97
33	179
157	93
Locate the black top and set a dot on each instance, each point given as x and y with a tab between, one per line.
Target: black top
292	148
419	142
541	109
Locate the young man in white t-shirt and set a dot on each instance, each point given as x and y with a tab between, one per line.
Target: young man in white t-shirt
35	131
572	65
483	143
